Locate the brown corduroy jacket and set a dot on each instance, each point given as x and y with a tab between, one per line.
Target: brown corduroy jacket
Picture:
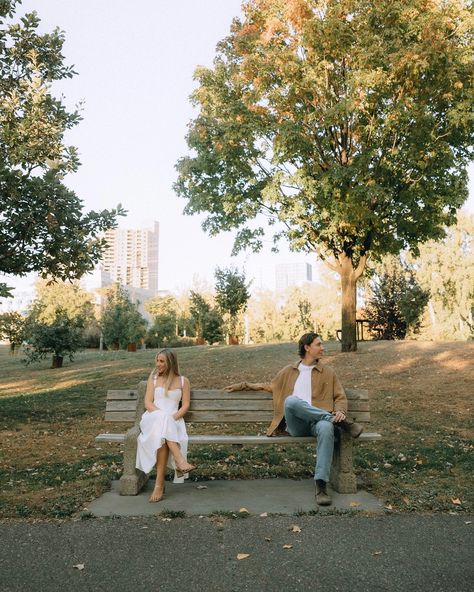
326	391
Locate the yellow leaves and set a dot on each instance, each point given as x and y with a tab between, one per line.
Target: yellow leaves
273	25
458	84
287	547
354	504
243	511
241	556
456	501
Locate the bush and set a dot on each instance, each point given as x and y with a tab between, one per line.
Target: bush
397	301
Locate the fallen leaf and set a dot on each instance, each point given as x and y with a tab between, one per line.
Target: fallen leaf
377	553
456	501
287	546
243	510
241	556
79	566
201	487
268	539
295	528
406	500
388	507
354	504
263	514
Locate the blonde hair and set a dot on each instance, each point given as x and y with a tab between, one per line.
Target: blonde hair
172	369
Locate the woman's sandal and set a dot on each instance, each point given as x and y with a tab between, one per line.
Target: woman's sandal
182	472
158	497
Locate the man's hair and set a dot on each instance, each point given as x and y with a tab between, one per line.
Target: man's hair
306	339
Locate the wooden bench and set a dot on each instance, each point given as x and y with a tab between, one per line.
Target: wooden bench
218	407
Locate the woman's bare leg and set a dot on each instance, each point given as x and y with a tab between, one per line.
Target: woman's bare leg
181	464
161	462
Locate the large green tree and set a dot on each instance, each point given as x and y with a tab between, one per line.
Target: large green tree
348	123
43	227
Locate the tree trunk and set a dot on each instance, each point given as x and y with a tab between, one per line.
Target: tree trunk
57	362
348	310
349	276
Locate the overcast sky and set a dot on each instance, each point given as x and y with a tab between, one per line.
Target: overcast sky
135	63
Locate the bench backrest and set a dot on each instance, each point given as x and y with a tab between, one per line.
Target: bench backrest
216	406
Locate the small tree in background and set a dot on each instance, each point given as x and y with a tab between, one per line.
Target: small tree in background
232	295
207	319
62	336
121	321
12	327
397	301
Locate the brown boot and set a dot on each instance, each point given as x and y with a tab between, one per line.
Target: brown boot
354	429
322	497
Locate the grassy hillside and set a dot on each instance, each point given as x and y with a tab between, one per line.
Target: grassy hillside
421	393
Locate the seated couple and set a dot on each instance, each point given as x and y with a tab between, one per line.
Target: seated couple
308	400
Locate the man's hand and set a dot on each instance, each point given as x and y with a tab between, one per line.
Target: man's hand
339	416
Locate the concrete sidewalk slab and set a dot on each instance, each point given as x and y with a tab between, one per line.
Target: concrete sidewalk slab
201	498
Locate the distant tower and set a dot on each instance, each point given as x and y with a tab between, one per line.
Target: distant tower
292	274
131	257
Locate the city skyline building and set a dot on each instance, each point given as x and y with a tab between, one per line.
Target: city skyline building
292	274
132	258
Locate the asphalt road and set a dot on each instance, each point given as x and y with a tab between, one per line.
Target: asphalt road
328	553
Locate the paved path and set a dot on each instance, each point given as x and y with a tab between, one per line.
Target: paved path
329	553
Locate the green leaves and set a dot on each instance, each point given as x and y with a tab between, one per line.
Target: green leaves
350	126
42	225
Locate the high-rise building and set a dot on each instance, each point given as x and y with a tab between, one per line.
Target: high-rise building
292	274
131	257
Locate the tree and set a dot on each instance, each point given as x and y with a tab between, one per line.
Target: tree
61	336
232	295
207	319
75	302
42	224
348	123
121	321
12	327
446	269
397	301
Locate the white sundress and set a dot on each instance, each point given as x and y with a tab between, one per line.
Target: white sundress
158	426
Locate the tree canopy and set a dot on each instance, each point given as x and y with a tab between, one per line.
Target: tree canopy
43	227
348	123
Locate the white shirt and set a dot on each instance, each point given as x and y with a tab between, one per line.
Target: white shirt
302	387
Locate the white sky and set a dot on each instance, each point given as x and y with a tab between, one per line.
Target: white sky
135	62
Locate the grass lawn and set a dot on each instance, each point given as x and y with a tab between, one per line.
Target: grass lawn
421	400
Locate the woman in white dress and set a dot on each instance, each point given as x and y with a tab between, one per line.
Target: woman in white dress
162	425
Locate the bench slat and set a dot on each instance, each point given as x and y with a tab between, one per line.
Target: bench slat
230	439
242	416
120	416
122	394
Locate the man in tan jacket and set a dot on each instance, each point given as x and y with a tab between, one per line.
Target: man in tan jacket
310	400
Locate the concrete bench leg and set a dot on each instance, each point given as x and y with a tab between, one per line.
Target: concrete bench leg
132	479
343	479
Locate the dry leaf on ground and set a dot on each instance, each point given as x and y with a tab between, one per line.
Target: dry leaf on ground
295	528
244	510
354	504
241	556
456	501
79	566
287	546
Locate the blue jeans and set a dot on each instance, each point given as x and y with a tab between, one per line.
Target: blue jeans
302	419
